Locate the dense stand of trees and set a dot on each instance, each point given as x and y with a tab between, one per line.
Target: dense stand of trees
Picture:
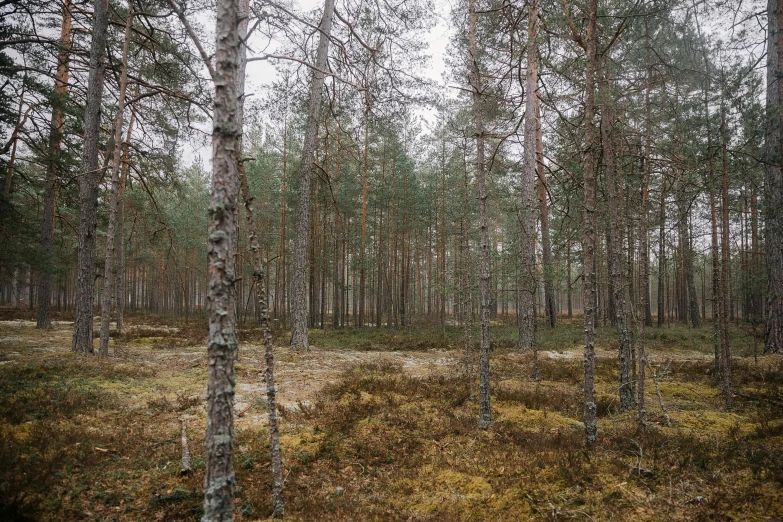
627	150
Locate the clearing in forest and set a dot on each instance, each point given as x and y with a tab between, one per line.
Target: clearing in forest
379	425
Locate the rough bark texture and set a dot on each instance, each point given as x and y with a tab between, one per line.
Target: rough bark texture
588	228
299	284
614	190
485	410
527	216
52	167
110	269
219	478
89	184
773	182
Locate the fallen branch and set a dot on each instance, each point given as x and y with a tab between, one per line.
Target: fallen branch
752	398
186	469
660	397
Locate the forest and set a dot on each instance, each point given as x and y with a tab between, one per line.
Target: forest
372	260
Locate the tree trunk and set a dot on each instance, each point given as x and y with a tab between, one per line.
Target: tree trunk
614	190
724	273
365	190
527	217
588	227
299	289
644	255
546	242
110	269
219	478
120	243
692	306
259	278
89	184
773	182
485	411
53	166
662	253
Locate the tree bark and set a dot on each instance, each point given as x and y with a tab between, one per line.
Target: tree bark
110	269
588	227
662	254
724	273
120	243
219	478
687	258
485	411
299	288
644	255
259	278
614	189
527	216
89	184
773	182
53	166
546	242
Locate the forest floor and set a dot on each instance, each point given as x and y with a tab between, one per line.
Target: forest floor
379	425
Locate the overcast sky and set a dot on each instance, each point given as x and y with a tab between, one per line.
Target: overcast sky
262	73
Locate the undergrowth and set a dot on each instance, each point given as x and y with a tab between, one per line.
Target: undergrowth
82	438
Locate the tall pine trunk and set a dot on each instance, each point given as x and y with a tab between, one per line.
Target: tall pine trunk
614	191
588	227
527	210
773	181
120	243
89	184
546	242
485	411
299	287
53	166
109	271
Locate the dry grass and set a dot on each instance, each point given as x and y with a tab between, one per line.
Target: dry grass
383	429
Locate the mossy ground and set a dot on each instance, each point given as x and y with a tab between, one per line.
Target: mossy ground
379	425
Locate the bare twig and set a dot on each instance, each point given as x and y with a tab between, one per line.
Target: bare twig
658	392
186	469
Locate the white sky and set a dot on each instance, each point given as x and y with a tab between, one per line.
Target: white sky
262	73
